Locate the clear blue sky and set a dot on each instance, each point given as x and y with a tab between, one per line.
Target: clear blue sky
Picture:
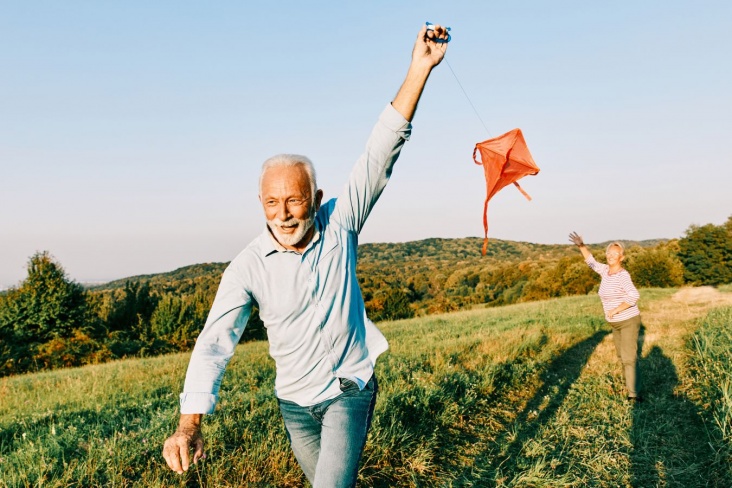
132	133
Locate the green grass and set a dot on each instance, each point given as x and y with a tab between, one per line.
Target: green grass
711	364
525	395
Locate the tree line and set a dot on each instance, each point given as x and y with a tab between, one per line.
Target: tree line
50	321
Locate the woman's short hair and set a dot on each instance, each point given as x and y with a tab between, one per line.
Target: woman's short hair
616	244
291	160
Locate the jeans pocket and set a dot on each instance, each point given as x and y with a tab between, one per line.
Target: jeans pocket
348	385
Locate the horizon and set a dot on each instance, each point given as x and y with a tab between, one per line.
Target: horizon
133	133
96	282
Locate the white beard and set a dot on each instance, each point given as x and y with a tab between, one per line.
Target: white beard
303	226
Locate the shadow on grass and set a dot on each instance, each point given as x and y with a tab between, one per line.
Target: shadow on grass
556	382
669	439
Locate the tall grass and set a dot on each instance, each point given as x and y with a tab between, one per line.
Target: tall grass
711	365
524	395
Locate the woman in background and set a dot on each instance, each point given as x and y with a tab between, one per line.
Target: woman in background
619	297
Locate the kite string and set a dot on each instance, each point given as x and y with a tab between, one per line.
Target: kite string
466	96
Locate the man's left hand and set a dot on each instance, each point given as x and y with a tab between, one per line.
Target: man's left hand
426	49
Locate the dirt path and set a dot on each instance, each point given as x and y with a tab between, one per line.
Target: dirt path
664	438
672	319
571	426
667	323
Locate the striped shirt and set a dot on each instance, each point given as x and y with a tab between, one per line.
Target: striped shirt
615	288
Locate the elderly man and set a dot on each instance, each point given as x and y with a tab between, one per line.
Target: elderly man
301	271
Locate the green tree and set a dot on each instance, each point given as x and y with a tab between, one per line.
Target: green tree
8	346
130	330
390	303
168	316
132	313
46	306
568	276
504	284
706	253
178	319
396	305
658	267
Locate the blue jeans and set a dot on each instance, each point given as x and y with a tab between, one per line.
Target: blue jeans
328	438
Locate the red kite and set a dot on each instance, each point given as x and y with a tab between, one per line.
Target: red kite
505	159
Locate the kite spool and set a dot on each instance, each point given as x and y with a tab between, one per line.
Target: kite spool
431	27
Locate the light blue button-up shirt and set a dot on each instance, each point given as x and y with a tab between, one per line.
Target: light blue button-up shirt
310	303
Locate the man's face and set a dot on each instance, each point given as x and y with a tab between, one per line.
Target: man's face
288	205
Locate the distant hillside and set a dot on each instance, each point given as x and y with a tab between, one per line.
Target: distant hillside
644	243
153	314
459	253
432	250
442	275
191	272
433	275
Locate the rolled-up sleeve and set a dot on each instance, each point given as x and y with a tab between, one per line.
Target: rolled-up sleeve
215	345
373	169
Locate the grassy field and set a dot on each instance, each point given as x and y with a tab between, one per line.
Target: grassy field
527	395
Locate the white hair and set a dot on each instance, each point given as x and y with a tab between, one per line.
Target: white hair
291	160
616	244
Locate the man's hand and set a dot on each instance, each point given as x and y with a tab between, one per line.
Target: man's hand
426	54
177	446
426	49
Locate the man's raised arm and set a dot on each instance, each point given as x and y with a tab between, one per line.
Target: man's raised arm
427	54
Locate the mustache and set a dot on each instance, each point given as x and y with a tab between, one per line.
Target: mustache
291	222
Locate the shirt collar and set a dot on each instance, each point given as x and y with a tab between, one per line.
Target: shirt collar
269	245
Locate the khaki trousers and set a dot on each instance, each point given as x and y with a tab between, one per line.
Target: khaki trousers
625	336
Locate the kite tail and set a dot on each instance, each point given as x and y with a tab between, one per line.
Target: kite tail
522	190
485	226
